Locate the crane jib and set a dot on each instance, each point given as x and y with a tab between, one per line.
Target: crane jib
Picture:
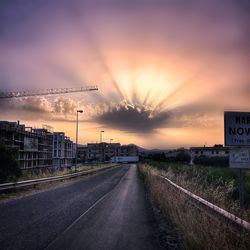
46	92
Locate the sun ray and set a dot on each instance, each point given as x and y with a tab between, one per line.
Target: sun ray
89	37
163	104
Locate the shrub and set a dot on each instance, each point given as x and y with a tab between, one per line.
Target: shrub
8	164
183	157
211	161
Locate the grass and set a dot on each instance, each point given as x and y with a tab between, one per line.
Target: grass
43	173
212	179
37	174
201	229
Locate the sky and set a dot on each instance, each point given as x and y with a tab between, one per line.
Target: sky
166	70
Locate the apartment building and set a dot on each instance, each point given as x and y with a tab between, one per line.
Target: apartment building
37	147
63	150
217	150
104	152
33	146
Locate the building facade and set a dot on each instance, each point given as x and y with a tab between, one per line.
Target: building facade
215	151
36	148
105	152
63	150
33	146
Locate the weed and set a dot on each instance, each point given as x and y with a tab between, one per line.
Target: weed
201	229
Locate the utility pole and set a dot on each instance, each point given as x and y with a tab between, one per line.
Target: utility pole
102	149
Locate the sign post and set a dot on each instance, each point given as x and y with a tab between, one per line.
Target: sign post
237	135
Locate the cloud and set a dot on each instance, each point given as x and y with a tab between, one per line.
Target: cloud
34	108
138	118
51	45
38	105
131	117
64	106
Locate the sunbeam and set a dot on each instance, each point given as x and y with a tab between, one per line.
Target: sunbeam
87	35
160	67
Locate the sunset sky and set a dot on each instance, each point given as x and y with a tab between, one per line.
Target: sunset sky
166	69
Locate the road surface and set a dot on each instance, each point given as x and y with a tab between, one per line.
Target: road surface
104	211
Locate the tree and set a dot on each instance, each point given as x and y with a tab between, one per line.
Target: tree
8	163
183	157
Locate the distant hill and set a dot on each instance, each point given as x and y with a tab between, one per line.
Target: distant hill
151	151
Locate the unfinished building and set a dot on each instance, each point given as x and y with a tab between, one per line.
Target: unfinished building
35	148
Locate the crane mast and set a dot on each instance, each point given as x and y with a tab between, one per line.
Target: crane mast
52	91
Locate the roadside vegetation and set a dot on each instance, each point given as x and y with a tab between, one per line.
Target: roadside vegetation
43	173
8	168
218	185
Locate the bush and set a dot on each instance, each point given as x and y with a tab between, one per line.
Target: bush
8	164
183	157
211	161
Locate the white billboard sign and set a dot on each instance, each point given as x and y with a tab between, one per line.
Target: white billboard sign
237	128
239	158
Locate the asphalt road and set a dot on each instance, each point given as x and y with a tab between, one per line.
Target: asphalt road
104	211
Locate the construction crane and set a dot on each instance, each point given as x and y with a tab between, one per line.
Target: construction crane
55	91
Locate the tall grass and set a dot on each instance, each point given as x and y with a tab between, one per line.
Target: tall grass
201	229
42	173
217	184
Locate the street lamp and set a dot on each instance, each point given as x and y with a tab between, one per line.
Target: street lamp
110	145
102	131
78	111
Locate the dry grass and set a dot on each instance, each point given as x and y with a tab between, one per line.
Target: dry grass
37	174
18	193
201	229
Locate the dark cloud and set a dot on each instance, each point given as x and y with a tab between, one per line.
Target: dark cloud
141	119
132	118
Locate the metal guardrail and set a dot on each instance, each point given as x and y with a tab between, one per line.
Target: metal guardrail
21	184
220	211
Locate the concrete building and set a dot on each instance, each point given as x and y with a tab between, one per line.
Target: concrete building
215	151
63	150
33	146
209	151
37	147
128	150
104	152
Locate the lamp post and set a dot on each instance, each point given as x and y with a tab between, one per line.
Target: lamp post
78	111
102	131
110	142
101	147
